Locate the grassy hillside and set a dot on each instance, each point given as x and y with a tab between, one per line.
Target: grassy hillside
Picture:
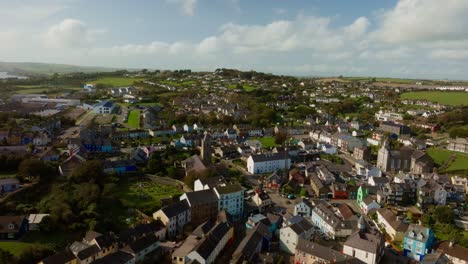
31	68
448	98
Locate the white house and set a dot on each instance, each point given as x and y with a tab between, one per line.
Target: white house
212	244
262	200
368	204
329	222
175	217
104	107
394	227
266	163
303	208
327	148
289	235
231	199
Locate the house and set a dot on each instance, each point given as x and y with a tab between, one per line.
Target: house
404	159
104	107
392	226
394	128
329	222
175	217
231	199
456	254
209	183
71	164
339	190
369	203
62	257
362	153
328	148
249	248
292	151
290	235
89	88
421	163
203	204
377	181
306	144
398	193
212	244
418	241
458	144
365	245
9	185
320	190
230	133
431	193
120	256
119	166
227	152
50	154
193	164
34	220
266	163
182	249
143	246
303	208
311	252
262	200
273	181
13	227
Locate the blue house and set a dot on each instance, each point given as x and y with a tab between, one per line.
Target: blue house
13	227
9	185
418	242
120	166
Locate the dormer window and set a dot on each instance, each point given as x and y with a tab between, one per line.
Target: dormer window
11	226
411	234
420	236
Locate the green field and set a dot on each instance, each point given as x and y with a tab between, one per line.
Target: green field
447	98
267	142
5	175
382	79
117	81
149	104
134	119
145	195
440	156
46	240
37	89
246	87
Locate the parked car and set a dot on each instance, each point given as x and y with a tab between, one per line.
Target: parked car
291	196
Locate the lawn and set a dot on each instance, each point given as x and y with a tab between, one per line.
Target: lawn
5	175
149	104
246	87
14	247
117	81
440	156
267	142
134	119
382	79
40	90
447	98
145	195
47	240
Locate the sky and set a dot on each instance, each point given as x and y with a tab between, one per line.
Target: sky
390	38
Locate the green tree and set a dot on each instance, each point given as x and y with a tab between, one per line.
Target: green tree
34	254
6	257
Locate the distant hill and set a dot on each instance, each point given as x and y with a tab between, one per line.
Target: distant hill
33	68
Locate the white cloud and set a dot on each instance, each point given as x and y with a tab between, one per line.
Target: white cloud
449	54
386	54
69	33
424	21
187	6
358	28
208	45
19	12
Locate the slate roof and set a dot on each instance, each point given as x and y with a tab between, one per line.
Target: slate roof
105	241
320	251
213	182
88	252
59	258
209	243
369	242
7	220
269	157
416	230
392	220
231	188
140	244
247	247
455	250
175	208
201	197
119	257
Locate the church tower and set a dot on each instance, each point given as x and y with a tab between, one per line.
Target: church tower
383	156
206	148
